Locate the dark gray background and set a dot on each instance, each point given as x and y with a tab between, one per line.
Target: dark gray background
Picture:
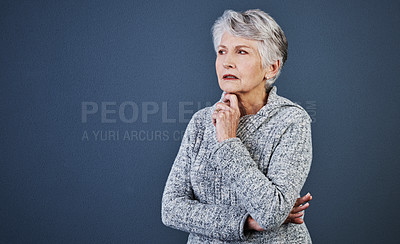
57	188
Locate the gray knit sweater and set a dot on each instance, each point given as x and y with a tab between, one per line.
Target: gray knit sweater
213	186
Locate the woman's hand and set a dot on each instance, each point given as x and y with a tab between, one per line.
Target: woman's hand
297	210
294	215
251	224
226	117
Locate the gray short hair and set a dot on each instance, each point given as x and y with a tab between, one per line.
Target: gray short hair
256	25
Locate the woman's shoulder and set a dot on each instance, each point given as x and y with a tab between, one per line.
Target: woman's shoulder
294	113
286	109
202	118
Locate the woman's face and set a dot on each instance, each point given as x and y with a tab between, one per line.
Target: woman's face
238	66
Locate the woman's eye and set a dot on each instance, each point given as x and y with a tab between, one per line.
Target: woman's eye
221	52
242	52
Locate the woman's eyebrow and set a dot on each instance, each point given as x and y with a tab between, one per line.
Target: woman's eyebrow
243	46
237	47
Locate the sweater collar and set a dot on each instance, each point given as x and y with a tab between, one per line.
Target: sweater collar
273	103
250	123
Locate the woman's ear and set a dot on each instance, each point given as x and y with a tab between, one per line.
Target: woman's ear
272	69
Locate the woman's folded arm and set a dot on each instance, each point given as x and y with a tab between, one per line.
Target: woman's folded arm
269	198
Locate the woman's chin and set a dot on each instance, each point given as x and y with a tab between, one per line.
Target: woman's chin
229	89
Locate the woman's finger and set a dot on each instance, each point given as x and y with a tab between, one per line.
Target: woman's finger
222	106
233	101
300	208
296	215
303	199
292	218
297	221
214	117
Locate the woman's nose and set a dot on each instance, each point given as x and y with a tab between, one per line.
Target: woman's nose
229	65
228	62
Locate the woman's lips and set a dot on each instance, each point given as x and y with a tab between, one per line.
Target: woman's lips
230	77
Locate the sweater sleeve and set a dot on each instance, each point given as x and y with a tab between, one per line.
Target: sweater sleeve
180	210
269	198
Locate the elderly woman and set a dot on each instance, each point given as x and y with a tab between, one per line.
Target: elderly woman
243	161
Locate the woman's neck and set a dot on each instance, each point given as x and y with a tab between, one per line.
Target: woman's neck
252	103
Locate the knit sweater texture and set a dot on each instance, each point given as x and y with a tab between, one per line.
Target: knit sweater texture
214	186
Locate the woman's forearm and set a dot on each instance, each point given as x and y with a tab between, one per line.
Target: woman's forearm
223	222
182	211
